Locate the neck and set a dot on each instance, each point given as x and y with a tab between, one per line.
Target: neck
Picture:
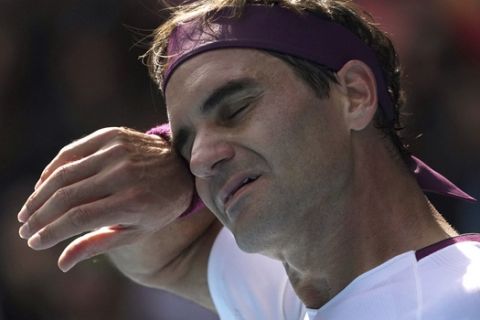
383	215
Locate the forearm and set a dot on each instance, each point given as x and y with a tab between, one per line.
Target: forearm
174	258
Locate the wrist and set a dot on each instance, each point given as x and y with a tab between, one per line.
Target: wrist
164	132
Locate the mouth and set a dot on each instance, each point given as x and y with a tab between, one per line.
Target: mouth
236	187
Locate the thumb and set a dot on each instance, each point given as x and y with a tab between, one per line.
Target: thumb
95	243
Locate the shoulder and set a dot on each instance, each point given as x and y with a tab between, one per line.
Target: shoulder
450	282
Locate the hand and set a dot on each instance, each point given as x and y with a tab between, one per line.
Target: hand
117	184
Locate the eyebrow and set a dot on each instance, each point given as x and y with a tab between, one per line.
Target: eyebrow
214	99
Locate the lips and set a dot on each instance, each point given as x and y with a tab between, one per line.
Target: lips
234	185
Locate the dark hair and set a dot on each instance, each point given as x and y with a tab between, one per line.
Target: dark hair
319	77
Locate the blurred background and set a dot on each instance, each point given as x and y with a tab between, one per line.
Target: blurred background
70	67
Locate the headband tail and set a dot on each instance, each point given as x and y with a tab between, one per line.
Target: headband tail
432	181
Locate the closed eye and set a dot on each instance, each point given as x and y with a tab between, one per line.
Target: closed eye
233	110
237	112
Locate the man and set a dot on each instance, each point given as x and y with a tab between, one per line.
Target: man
286	114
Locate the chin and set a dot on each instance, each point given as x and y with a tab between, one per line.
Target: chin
246	237
247	245
255	239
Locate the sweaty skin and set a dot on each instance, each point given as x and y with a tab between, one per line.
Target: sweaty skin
323	180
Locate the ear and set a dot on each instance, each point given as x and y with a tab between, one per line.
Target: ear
358	83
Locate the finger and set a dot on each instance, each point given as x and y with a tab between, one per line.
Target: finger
95	243
66	175
81	219
80	149
61	178
63	200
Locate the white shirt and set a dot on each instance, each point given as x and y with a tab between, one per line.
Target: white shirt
444	285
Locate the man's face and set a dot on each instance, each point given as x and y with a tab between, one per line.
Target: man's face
266	152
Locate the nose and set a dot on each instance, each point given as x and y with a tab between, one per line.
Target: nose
209	150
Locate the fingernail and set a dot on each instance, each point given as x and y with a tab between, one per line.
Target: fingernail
39	182
62	266
65	268
24	231
22	215
34	241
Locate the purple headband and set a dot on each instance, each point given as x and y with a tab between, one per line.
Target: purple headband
307	36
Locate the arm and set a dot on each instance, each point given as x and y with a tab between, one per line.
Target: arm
125	189
174	258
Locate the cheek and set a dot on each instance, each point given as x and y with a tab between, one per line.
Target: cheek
204	193
305	141
291	130
208	197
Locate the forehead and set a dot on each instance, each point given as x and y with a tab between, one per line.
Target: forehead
196	77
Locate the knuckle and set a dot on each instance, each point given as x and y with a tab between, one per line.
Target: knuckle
64	196
61	175
109	131
79	217
109	134
121	134
47	235
33	222
118	131
127	168
65	151
31	204
119	150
